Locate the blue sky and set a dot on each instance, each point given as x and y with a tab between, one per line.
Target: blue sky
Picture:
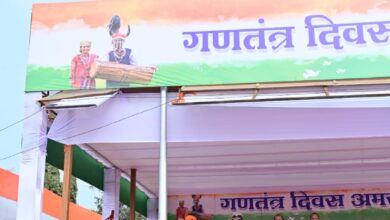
15	27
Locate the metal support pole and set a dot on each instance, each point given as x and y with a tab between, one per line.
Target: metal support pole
162	195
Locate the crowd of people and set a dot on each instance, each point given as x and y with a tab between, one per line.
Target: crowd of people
312	216
197	212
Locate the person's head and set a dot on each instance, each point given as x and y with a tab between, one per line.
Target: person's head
314	216
196	198
118	41
181	203
85	47
237	216
278	217
190	217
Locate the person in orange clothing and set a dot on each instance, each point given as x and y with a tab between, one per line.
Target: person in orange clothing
181	211
81	66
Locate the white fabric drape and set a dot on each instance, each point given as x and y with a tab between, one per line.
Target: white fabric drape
32	168
111	193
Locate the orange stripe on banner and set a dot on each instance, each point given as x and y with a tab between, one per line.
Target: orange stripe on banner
51	201
51	204
9	185
52	207
98	13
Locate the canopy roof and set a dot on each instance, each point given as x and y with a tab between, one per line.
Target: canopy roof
230	148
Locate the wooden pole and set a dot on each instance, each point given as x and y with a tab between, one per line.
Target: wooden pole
132	193
68	157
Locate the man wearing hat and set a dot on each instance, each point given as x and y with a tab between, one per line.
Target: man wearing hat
81	66
119	54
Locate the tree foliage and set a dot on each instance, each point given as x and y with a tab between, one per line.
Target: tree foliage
124	211
53	182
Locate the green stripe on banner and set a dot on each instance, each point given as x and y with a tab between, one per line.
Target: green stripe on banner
362	214
278	70
91	171
140	197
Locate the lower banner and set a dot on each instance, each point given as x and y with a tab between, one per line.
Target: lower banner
372	204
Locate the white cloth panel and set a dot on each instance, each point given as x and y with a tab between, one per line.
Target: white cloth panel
32	167
152	208
111	192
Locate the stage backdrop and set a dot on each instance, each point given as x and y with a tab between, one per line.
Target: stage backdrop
195	42
367	204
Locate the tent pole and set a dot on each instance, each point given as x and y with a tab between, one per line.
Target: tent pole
162	195
68	157
132	193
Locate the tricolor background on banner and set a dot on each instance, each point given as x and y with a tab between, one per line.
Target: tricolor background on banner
157	40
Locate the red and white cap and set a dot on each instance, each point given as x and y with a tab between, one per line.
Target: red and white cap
118	36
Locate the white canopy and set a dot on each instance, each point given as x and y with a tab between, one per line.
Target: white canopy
238	147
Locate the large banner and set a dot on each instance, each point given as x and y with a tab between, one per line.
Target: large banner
367	204
146	43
